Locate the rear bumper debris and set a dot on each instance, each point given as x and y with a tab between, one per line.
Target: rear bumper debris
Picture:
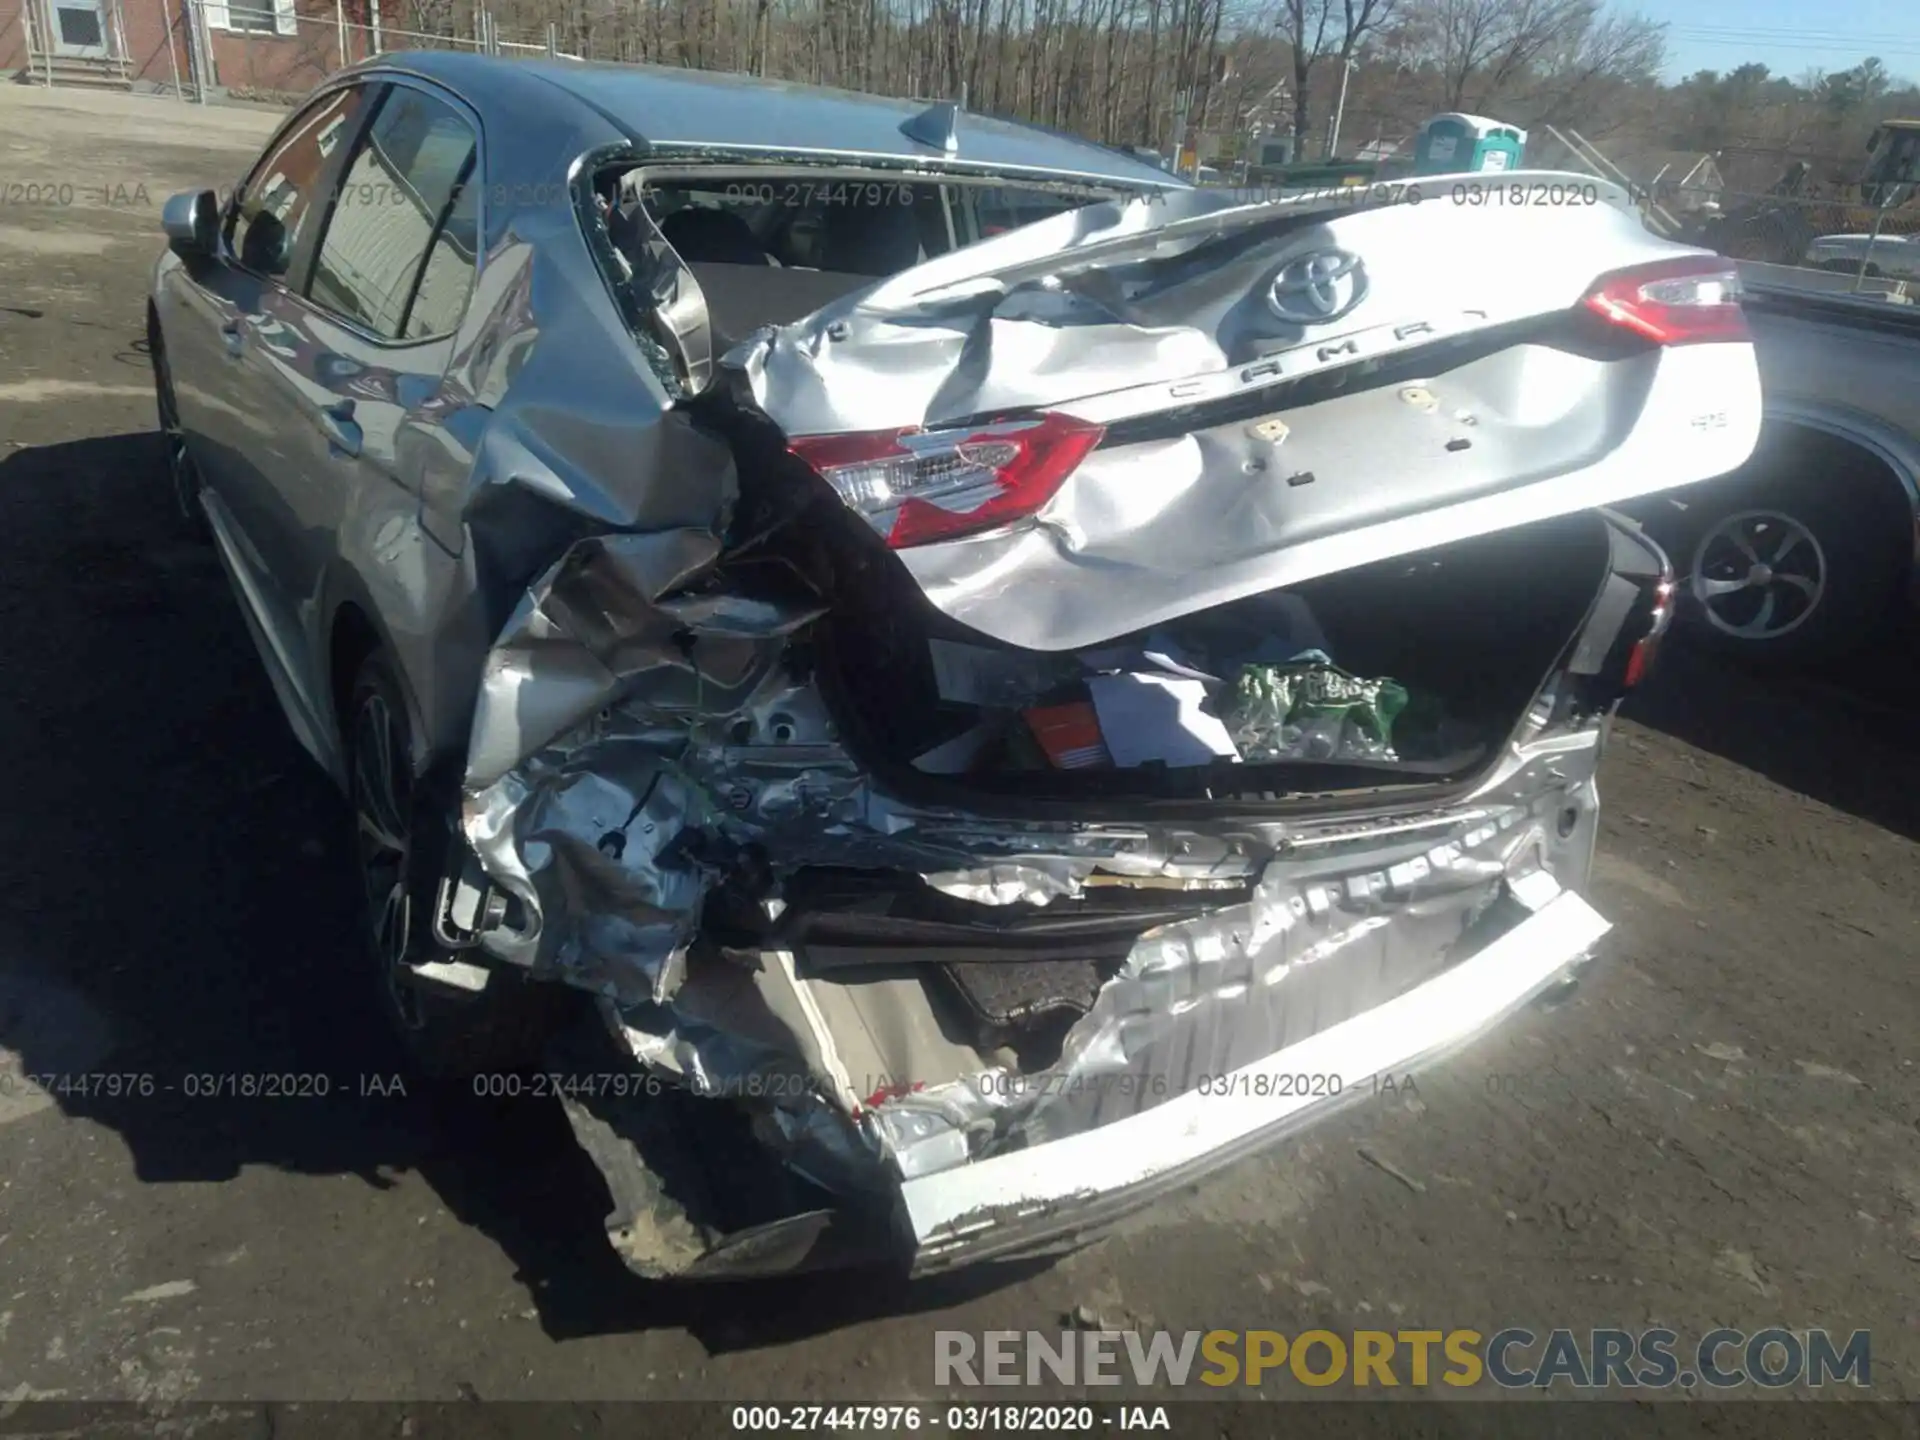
1057	1194
1281	964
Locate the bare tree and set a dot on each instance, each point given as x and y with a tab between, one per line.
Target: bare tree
1318	30
1545	57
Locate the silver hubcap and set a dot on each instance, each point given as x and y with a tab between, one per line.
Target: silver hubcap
380	790
1758	575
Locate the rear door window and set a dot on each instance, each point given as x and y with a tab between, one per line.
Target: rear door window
447	278
997	211
401	244
264	226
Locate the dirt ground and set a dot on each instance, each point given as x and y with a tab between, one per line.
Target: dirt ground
1718	1130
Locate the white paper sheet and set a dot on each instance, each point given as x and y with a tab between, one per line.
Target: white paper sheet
1157	717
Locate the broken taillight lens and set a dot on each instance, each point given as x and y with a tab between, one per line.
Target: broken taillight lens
1674	302
917	486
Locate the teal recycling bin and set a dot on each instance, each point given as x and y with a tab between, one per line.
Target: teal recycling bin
1456	144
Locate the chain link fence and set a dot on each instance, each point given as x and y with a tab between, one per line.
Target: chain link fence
1821	223
263	50
1839	246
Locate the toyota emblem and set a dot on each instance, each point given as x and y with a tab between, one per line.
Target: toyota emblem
1313	289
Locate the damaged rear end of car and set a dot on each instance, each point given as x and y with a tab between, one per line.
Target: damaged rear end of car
1149	683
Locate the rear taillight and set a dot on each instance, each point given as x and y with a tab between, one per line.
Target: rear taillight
1640	657
917	486
1674	302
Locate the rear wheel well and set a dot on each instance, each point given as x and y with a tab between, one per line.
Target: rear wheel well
354	639
1809	458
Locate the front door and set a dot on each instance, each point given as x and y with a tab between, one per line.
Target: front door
238	340
80	28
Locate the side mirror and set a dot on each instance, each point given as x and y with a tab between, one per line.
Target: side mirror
192	222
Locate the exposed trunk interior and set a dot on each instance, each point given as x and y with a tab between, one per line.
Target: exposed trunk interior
772	249
741	298
1469	631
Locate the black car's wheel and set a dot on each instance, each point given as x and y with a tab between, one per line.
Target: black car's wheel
401	845
183	474
1790	568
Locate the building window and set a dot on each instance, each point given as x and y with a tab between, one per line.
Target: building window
253	17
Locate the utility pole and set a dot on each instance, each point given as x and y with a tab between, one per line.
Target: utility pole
1181	100
1339	109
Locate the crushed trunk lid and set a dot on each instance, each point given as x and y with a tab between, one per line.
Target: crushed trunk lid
1133	411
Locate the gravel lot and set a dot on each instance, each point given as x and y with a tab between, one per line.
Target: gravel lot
1720	1129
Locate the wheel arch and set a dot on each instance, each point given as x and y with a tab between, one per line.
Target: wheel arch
353	639
1887	447
353	635
1872	452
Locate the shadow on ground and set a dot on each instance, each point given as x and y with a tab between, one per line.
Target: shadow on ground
182	908
1845	733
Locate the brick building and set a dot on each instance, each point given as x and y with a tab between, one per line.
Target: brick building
265	48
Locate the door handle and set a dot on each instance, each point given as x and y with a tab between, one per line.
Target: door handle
340	428
230	333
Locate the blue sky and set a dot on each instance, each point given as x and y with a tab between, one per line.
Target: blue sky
1787	36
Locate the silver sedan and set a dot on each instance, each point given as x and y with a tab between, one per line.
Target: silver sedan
944	681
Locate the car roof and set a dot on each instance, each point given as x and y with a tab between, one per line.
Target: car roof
680	112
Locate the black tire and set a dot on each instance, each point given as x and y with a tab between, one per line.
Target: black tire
1854	542
401	843
183	475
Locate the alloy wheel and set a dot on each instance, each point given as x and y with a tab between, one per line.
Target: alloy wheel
1758	575
382	784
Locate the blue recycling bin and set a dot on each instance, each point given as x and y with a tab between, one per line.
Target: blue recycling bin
1457	144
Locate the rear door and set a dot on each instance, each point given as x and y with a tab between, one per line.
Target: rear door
395	260
237	334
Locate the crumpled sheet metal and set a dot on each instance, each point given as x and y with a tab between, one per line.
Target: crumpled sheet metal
1197	1000
755	1035
575	808
691	743
1004	323
1200	999
631	728
1192	1000
1034	882
1128	296
602	622
1121	312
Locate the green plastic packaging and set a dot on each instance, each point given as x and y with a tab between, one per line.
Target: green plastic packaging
1312	710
